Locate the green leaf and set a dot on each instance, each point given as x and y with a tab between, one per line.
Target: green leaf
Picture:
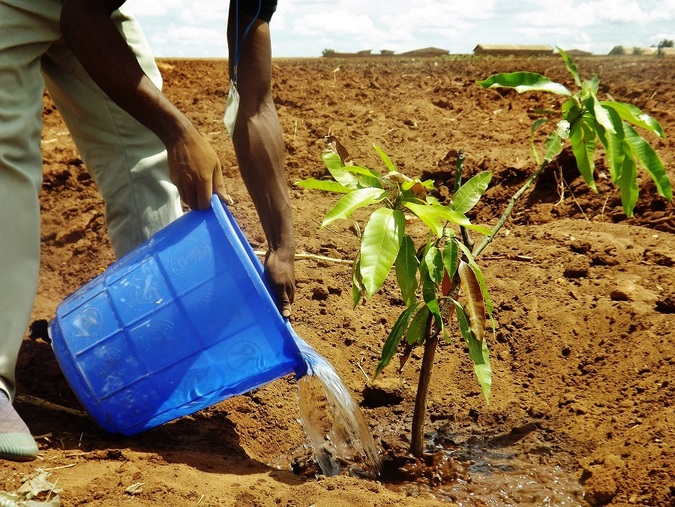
533	129
552	146
363	171
429	295
367	177
584	142
478	352
613	144
600	113
397	332
432	214
380	244
418	326
571	67
470	193
450	257
482	368
351	202
463	320
434	261
385	158
590	87
406	270
426	213
644	153
335	167
634	115
627	181
357	284
325	185
332	160
524	82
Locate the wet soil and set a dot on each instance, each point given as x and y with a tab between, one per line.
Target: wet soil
583	356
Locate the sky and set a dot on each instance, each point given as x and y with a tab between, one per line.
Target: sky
304	28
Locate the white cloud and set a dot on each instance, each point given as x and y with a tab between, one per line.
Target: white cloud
306	27
149	8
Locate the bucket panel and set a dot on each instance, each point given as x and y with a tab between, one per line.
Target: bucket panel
134	405
213	314
140	292
192	260
90	322
163	339
110	366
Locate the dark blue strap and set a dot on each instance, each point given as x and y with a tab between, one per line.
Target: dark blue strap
237	43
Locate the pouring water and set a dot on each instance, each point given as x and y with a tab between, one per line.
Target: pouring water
332	420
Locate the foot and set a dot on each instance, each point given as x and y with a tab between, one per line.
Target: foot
16	442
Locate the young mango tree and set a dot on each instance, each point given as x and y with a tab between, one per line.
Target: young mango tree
438	277
429	274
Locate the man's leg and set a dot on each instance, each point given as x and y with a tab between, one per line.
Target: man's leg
25	36
127	161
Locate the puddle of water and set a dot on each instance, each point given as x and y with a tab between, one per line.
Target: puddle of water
332	420
491	473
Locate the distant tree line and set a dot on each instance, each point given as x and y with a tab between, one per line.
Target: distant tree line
620	50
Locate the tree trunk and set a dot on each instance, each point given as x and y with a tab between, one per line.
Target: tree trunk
417	437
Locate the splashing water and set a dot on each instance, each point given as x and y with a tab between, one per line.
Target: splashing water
332	420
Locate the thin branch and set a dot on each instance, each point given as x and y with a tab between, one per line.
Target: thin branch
262	253
39	402
507	213
459	165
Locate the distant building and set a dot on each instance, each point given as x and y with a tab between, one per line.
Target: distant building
513	50
427	52
386	52
578	52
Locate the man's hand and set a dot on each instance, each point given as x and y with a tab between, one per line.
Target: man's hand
280	273
195	169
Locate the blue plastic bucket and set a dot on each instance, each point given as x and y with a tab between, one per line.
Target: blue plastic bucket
182	322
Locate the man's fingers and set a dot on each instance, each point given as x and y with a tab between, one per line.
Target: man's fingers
204	198
285	305
188	196
219	187
284	295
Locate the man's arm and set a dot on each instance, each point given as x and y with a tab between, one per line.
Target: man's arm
259	145
94	39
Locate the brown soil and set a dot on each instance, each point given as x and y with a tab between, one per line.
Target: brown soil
583	356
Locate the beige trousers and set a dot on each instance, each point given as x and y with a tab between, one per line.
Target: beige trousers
127	161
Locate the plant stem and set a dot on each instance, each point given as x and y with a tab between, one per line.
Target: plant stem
417	437
459	171
507	212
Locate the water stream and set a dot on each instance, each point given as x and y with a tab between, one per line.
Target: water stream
332	420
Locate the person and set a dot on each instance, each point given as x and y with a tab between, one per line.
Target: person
143	153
